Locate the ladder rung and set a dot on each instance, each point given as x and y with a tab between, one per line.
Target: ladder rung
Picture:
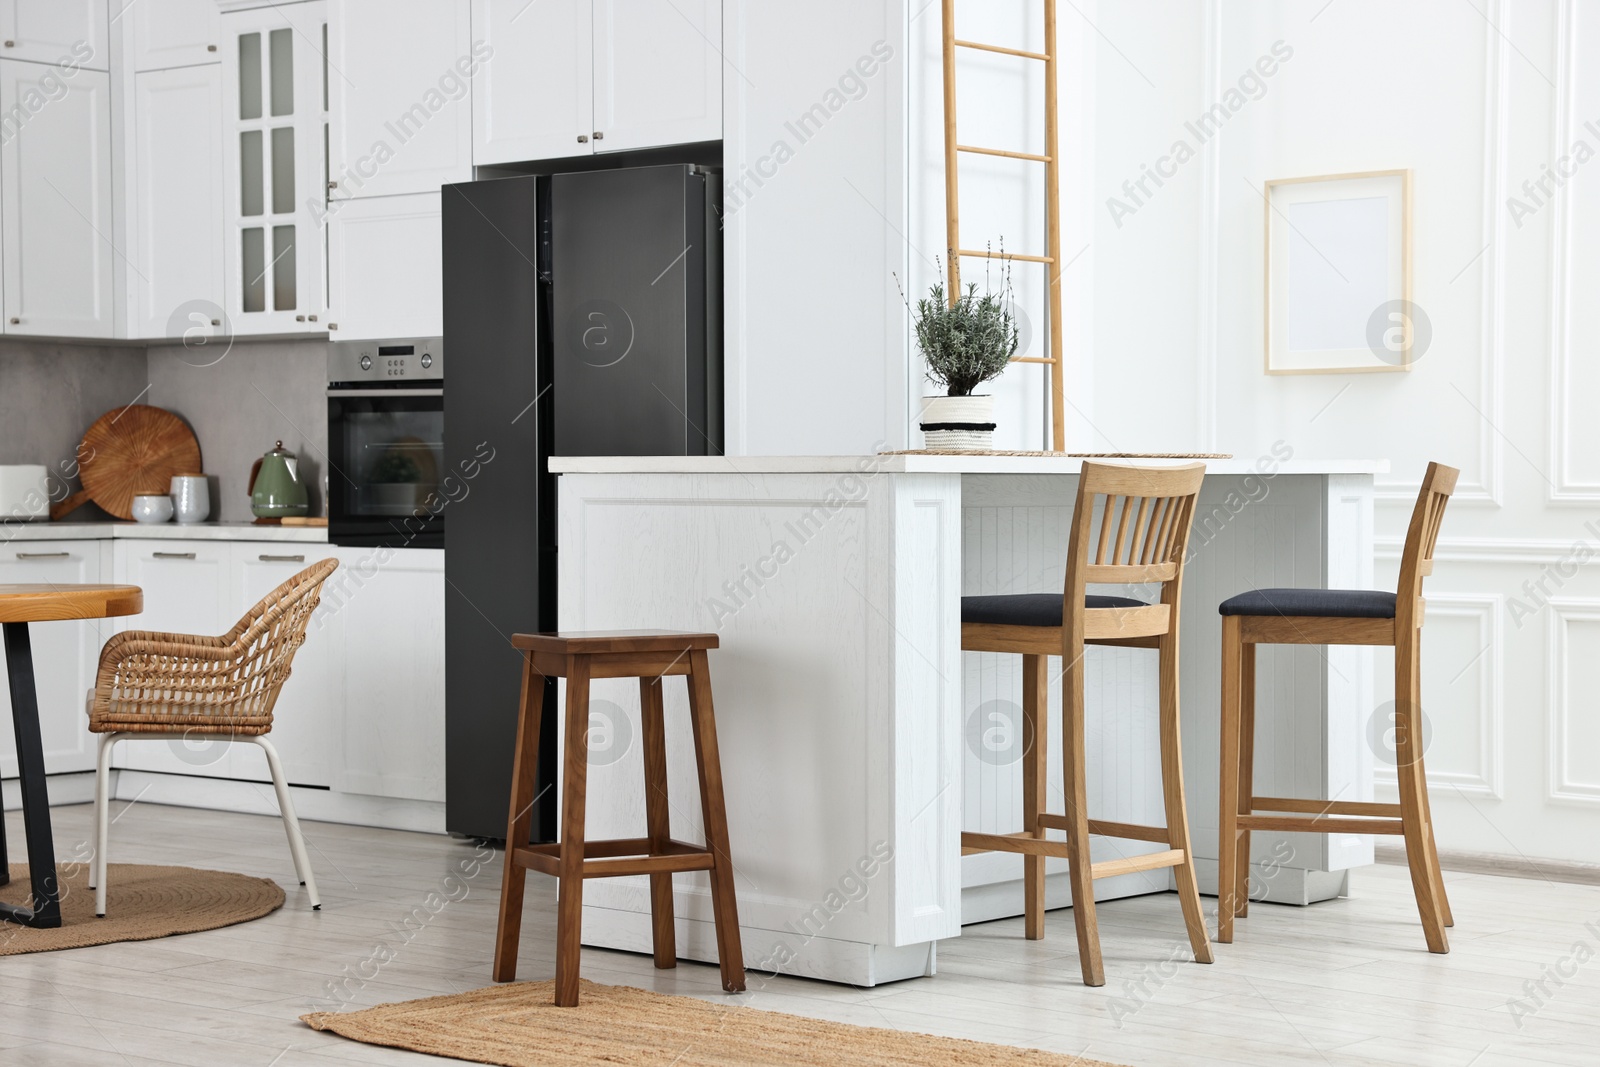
1032	359
1004	255
1002	152
1001	49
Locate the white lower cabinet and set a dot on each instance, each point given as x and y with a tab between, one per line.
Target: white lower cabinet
65	654
391	606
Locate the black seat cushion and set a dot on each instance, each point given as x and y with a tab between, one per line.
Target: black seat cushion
1315	603
1032	609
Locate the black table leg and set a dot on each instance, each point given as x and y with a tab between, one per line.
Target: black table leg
46	910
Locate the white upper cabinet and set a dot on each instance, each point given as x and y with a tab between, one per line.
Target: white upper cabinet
532	97
384	261
172	33
55	200
275	108
657	73
400	78
50	31
177	212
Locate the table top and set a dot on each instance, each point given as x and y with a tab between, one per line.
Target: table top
52	602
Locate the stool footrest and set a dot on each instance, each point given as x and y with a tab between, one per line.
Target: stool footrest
1325	807
620	856
1320	824
1134	864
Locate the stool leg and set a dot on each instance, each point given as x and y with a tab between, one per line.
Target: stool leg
1247	771
575	766
1035	764
519	825
1194	916
1413	790
1080	871
724	905
1427	816
1228	781
658	819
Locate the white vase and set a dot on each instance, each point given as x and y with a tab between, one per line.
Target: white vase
191	498
958	423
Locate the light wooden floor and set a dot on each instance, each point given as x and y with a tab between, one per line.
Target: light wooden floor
1346	982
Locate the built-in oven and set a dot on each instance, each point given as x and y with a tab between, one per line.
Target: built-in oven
386	443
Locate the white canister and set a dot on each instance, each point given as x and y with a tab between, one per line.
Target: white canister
191	498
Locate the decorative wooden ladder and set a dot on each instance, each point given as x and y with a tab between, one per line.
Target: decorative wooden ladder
1052	181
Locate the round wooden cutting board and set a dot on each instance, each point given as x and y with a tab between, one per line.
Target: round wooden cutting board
135	449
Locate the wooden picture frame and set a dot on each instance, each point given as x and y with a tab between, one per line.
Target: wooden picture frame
1337	284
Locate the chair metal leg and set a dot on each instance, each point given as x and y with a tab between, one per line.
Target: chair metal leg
43	911
1228	780
1194	917
569	892
291	825
1035	777
102	820
1080	872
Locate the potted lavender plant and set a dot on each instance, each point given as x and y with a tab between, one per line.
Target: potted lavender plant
965	343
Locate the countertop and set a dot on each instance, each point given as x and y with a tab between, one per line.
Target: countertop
913	463
202	531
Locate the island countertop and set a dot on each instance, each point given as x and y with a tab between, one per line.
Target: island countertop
943	463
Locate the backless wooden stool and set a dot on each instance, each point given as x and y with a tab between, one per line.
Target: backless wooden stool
648	655
1334	617
1151	510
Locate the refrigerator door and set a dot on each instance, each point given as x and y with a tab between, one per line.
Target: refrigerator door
499	558
630	353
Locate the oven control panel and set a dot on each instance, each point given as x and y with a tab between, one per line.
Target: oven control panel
401	361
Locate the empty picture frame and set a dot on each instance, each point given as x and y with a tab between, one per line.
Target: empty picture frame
1338	273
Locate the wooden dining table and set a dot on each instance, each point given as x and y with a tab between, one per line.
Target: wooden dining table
19	606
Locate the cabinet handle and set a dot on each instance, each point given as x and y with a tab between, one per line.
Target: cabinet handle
211	48
281	559
44	555
333	185
333	325
172	555
583	138
16	322
216	322
311	318
299	318
11	44
598	136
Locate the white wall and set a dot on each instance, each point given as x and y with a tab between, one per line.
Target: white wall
1474	98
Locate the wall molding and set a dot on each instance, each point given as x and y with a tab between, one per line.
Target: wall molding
1564	489
1489	776
1210	229
1562	612
1497	549
1496	135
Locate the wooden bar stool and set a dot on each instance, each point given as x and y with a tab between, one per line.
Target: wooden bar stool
648	655
1334	617
1151	510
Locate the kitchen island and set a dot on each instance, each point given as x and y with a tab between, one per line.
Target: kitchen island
858	740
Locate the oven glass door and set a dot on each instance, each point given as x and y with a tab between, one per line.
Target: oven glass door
386	463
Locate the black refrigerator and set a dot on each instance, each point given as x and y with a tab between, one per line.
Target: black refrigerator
582	314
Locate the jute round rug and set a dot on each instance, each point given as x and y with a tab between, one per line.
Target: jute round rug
516	1025
142	903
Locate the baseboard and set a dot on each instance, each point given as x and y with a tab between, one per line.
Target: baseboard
253	798
75	788
1506	866
1283	885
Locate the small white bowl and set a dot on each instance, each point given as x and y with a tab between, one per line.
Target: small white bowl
152	507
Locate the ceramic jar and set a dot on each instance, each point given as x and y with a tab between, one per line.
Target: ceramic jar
191	498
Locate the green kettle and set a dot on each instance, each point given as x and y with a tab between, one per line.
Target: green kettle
275	486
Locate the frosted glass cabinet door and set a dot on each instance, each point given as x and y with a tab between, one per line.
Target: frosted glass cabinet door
532	98
65	655
177	205
657	73
172	33
274	120
55	200
48	31
402	120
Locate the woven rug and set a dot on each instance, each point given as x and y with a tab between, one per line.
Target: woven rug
516	1025
142	903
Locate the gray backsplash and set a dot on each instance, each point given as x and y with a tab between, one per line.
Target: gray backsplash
259	393
51	392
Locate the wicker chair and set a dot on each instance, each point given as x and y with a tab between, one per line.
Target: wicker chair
165	687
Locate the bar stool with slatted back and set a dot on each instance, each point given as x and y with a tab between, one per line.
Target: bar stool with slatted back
1130	525
1334	617
650	656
